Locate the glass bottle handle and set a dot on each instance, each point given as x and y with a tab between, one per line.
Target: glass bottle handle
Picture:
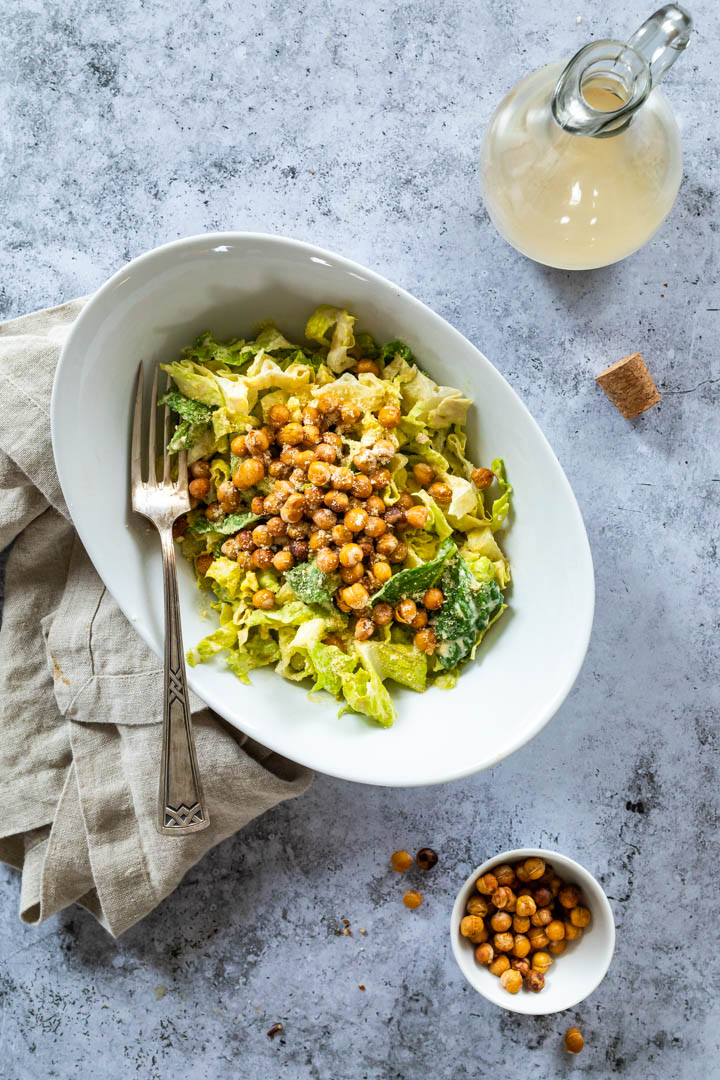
662	38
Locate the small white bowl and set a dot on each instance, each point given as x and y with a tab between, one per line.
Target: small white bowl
575	974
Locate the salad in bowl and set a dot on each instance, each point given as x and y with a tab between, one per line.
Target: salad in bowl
337	522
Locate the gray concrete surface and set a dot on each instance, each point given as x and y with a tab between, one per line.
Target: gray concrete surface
358	127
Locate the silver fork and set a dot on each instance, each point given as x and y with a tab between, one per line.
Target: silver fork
181	807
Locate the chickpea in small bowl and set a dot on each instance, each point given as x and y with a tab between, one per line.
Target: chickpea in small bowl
532	931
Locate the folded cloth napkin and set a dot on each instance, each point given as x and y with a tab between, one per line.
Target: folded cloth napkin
81	694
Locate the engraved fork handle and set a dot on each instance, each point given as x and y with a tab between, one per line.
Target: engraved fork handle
181	807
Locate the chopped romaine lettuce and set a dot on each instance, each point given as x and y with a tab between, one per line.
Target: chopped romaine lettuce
331	665
417	581
194	411
229	525
403	663
466	611
310	584
364	693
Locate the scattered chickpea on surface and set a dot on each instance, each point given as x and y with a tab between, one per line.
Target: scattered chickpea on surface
426	858
574	1041
412	899
401	861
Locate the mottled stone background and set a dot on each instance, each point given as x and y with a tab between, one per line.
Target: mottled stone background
358	127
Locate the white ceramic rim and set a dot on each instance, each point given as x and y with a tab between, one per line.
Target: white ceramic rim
215	701
594	895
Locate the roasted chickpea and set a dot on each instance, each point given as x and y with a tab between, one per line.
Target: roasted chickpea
525	906
199	488
365	461
543	897
486	884
406	610
257	442
574	1041
387	545
393	516
279	415
382	614
521	873
485	954
328	403
571	932
264	600
555	948
350	413
319	473
366	545
257	504
283	561
417	516
580	916
569	896
290	435
482	478
364	629
521	947
504	942
326	453
511	981
381	571
237	446
433	601
500	964
440	492
245	540
288	455
534	867
203	564
389	416
555	930
278	469
520	924
214	512
384	450
399	860
351	574
426	641
361	486
375	527
337	641
311	435
541	961
534	981
326	560
420	619
471	925
538	938
501	921
299	549
502	897
375	506
314	497
355	596
200	469
231	549
554	884
355	519
542	917
261	558
324	518
298	530
341	534
229	497
380	479
351	554
337	501
477	905
305	459
367	367
319	539
342	478
293	508
261	536
423	473
248	473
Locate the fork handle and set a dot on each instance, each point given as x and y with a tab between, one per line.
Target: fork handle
181	806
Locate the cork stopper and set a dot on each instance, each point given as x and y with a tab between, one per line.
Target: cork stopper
629	385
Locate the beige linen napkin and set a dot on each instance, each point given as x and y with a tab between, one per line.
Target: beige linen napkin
81	694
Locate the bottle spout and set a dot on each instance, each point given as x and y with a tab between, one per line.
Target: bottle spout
607	81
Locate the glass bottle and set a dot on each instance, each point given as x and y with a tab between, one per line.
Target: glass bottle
581	165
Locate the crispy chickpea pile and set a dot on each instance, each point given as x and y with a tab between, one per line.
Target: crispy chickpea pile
521	918
321	509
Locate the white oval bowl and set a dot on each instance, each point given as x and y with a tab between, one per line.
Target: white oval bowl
228	282
575	974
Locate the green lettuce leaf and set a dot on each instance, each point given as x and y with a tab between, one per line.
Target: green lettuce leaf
366	345
227	574
331	666
438	522
466	612
438	406
194	411
403	663
270	339
365	693
229	525
224	638
292	614
195	381
393	349
416	581
310	584
317	327
187	435
501	505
